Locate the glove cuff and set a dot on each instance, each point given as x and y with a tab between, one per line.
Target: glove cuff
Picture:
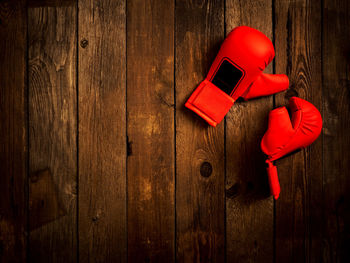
273	180
209	102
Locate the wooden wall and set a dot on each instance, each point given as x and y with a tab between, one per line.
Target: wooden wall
101	162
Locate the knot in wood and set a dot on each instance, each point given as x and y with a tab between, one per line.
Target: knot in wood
206	169
84	43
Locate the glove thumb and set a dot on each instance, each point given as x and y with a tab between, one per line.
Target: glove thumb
267	84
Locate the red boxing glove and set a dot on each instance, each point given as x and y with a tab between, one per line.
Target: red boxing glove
285	136
236	72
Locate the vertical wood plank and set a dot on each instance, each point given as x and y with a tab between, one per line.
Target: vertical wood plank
336	115
200	203
249	221
52	133
13	131
102	131
299	208
150	125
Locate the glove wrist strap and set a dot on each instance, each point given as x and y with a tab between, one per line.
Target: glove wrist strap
209	102
273	179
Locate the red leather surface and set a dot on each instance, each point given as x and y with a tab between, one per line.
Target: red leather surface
286	135
266	84
251	51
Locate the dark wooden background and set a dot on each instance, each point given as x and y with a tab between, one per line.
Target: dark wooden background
101	162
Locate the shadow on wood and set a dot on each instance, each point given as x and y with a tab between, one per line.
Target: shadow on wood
44	203
51	3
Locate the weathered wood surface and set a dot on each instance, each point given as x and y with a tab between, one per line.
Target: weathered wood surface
335	205
101	162
150	131
298	217
102	131
13	131
52	133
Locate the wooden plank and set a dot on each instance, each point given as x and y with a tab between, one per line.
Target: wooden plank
299	208
102	131
249	221
200	156
13	131
150	125
336	115
52	133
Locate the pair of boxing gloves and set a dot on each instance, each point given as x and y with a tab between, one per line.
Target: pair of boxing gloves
237	71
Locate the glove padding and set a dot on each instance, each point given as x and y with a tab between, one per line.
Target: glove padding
285	135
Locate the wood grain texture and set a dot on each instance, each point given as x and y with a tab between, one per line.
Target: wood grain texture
336	115
102	131
249	220
52	132
200	156
13	131
150	125
299	207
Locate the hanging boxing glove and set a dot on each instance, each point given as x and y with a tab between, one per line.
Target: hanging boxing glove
236	72
285	135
